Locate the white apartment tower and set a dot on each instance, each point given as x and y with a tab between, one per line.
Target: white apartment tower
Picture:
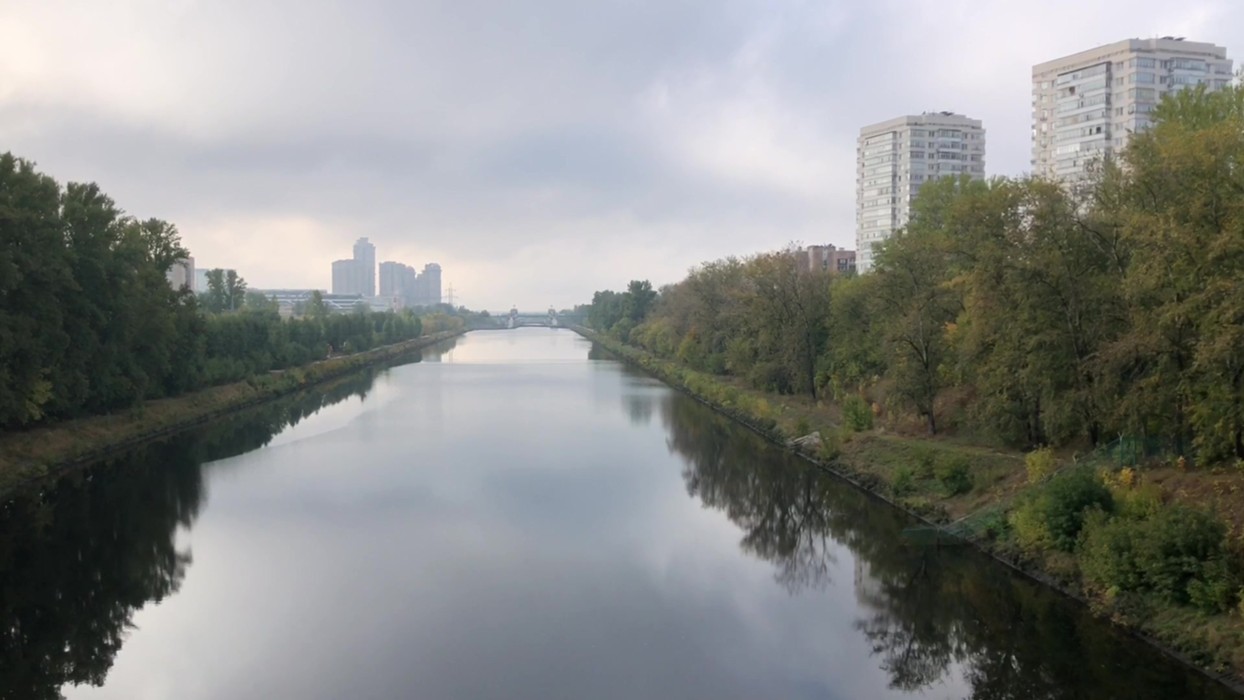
1084	106
365	258
895	158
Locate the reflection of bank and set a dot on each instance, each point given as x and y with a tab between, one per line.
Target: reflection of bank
81	554
77	562
442	351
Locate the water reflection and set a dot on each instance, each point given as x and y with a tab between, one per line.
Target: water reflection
79	556
930	614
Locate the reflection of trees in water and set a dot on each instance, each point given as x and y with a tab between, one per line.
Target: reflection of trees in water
78	560
79	556
915	643
639	407
925	609
434	353
640	396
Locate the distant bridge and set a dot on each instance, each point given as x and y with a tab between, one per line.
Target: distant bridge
518	319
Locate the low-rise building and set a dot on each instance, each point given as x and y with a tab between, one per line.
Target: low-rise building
828	257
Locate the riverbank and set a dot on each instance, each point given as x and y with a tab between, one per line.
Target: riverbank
47	451
969	492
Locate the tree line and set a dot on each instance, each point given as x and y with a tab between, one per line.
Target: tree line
89	323
1016	308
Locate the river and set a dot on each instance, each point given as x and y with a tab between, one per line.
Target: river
516	516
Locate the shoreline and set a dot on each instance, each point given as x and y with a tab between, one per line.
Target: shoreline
875	485
50	451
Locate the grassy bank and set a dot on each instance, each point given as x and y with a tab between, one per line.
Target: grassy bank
45	451
1130	548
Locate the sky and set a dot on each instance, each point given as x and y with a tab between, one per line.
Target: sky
537	150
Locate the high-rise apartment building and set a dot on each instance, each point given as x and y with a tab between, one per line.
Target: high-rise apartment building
1086	105
356	275
895	158
347	277
429	285
398	282
181	274
365	256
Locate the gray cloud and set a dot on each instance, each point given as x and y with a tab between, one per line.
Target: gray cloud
537	150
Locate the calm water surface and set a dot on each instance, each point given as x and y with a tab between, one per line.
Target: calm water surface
515	516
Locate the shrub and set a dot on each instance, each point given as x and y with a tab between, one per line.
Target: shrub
953	473
993	525
803	427
1054	514
856	413
1138	503
1040	463
761	409
769	376
904	481
831	445
1178	553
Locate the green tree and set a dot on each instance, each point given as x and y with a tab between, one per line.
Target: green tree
35	269
790	312
316	308
638	300
1179	204
258	302
918	303
1041	301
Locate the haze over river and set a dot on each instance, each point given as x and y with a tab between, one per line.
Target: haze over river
517	516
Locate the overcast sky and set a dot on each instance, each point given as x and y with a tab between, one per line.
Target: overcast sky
538	150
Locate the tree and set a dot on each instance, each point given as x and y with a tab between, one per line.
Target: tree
316	308
791	314
1180	201
917	301
638	300
213	300
226	291
1041	301
234	290
34	272
258	302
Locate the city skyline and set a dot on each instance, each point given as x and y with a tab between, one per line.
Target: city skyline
573	153
398	283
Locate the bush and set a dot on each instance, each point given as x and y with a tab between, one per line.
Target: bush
831	445
1040	464
1054	514
1138	503
1178	553
925	458
803	427
904	481
954	475
770	376
856	414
